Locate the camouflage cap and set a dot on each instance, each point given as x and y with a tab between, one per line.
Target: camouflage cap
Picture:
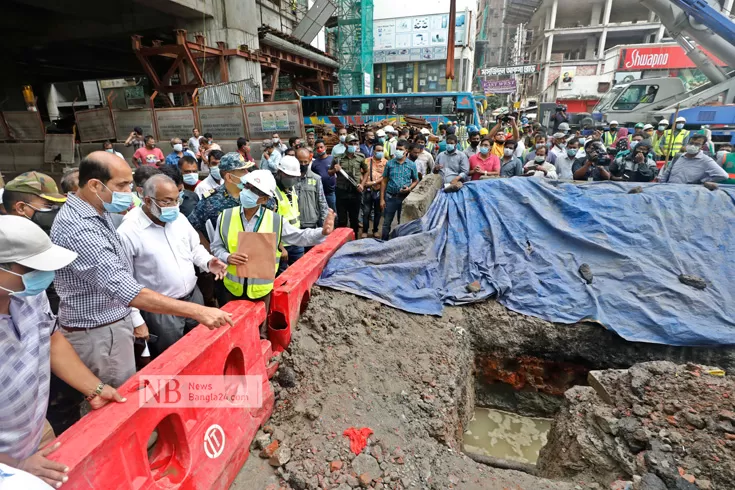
233	161
37	184
350	138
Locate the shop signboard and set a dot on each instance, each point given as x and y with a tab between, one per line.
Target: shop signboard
506	86
657	58
508	70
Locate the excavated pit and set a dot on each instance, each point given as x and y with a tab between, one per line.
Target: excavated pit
416	381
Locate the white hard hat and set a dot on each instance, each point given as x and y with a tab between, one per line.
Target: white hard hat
262	180
647	127
389	129
380	133
681	119
425	131
290	165
614	122
665	122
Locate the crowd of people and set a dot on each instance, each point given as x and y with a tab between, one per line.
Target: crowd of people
113	268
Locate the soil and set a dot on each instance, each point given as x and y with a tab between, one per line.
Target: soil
413	380
658	425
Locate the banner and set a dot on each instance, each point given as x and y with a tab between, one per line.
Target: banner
95	125
225	123
265	118
508	70
176	122
24	125
567	77
658	58
507	86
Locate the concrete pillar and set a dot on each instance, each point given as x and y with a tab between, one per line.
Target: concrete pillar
596	12
552	16
660	33
590	51
606	15
549	47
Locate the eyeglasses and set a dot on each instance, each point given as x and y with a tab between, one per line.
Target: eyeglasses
168	204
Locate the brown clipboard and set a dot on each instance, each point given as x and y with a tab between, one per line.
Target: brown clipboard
261	251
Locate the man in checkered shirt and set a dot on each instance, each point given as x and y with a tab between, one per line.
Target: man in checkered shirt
100	299
31	347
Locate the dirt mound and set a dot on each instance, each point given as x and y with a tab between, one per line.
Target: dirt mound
407	377
658	424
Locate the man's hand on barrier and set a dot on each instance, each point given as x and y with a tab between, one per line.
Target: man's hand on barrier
38	464
218	268
141	332
237	259
108	394
213	318
328	223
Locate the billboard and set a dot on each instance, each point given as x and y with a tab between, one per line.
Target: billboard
422	38
657	58
508	70
507	86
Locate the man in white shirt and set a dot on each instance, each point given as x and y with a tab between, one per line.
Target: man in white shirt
278	145
214	179
194	141
164	248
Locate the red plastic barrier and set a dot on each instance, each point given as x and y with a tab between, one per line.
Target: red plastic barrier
291	290
198	447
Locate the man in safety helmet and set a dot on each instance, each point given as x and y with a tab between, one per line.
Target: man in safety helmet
252	216
637	130
608	137
657	136
674	140
287	201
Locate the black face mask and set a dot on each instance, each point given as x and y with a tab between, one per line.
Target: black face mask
474	144
413	158
288	181
304	168
45	219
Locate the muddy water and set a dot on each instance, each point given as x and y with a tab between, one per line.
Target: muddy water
506	435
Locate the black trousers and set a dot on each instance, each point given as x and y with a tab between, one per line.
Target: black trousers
348	207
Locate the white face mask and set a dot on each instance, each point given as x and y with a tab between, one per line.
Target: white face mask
508	152
179	147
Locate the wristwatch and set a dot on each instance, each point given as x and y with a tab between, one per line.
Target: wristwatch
96	392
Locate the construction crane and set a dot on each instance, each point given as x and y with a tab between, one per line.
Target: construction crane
355	46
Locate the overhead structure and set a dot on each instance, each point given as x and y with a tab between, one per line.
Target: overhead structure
314	20
355	46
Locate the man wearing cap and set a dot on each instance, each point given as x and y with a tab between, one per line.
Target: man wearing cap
214	179
31	347
389	147
637	130
559	149
163	248
252	216
35	196
287	200
674	140
648	131
657	136
351	171
270	157
609	136
100	298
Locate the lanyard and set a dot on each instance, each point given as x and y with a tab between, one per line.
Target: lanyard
257	223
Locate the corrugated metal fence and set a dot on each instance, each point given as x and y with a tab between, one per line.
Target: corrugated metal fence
232	93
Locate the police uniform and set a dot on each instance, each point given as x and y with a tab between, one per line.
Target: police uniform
349	199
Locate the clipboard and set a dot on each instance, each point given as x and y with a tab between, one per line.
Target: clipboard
261	251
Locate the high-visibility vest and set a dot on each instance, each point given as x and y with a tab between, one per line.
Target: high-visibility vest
608	138
231	224
655	140
678	141
288	209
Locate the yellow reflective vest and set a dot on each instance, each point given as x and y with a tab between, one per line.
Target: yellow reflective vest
289	209
231	224
678	141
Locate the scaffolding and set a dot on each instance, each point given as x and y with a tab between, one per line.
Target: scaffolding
355	46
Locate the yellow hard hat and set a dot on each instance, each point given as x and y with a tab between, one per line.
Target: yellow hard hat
484	131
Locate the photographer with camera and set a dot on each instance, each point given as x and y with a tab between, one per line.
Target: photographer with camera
594	165
560	116
498	133
635	165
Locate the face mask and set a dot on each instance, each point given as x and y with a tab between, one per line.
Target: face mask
399	153
381	140
422	147
110	150
613	129
303	168
167	215
474	144
692	149
191	179
179	147
450	148
413	158
121	201
34	282
209	142
561	145
342	138
540	145
508	152
248	199
582	141
680	126
379	155
321	152
539	159
214	172
484	150
572	153
45	218
288	181
276	140
351	149
662	128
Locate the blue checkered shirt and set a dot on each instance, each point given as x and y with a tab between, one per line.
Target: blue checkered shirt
399	175
96	288
25	350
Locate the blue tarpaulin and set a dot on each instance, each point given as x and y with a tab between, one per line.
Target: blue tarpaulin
524	240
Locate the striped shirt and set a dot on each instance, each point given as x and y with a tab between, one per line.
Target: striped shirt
25	348
399	175
97	288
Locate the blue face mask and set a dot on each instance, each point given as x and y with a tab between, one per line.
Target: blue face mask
572	152
484	150
191	179
121	201
168	214
34	282
399	154
214	172
381	140
351	149
679	126
450	148
379	155
248	199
